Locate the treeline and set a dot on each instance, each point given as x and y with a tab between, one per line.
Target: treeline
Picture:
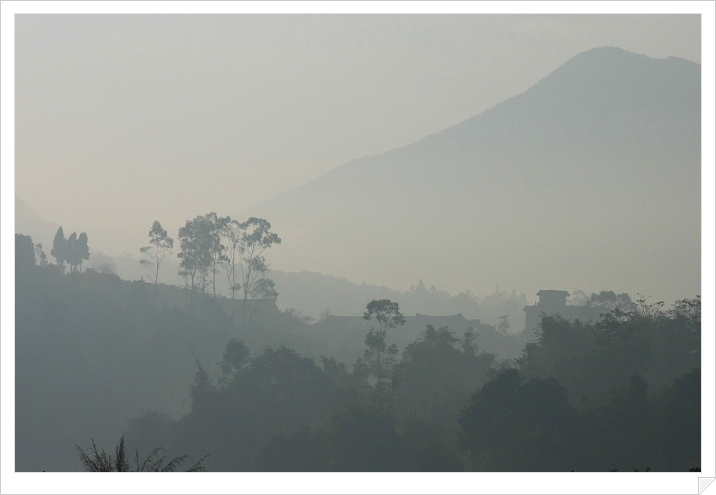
621	394
209	243
319	295
92	350
280	411
73	251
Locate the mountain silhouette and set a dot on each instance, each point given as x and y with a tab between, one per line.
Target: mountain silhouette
589	178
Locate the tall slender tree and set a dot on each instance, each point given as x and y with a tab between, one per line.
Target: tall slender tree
231	234
215	225
388	315
159	245
82	249
59	249
72	253
195	255
256	238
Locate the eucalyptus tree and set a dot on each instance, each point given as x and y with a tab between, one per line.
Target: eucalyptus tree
159	245
256	238
207	245
209	241
231	234
196	249
215	228
188	253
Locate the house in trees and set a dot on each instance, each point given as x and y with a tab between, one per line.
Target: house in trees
554	302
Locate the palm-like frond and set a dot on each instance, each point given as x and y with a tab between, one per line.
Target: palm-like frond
199	466
154	463
151	463
121	464
97	461
174	464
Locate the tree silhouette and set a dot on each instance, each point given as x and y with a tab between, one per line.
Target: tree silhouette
386	312
196	246
24	252
437	375
216	226
231	235
515	426
72	257
256	238
201	248
379	358
74	250
159	245
59	249
236	356
40	255
82	249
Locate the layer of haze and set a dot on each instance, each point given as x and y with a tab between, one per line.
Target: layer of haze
121	120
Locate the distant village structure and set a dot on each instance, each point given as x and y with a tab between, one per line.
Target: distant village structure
553	302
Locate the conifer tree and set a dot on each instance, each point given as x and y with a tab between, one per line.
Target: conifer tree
82	249
59	248
72	254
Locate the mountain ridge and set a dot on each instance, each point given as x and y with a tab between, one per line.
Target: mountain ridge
610	139
453	129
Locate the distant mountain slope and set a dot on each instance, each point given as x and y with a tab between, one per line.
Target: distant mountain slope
591	178
28	222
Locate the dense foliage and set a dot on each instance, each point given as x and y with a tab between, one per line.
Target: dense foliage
623	393
93	350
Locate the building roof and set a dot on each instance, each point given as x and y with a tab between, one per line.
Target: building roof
553	292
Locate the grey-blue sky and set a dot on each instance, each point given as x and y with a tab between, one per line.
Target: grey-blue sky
121	120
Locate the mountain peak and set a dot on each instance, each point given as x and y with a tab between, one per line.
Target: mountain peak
546	182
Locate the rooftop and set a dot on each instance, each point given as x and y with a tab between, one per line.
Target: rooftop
553	293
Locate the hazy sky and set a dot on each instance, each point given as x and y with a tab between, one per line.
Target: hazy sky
124	119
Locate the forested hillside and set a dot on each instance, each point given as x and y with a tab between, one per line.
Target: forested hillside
98	357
